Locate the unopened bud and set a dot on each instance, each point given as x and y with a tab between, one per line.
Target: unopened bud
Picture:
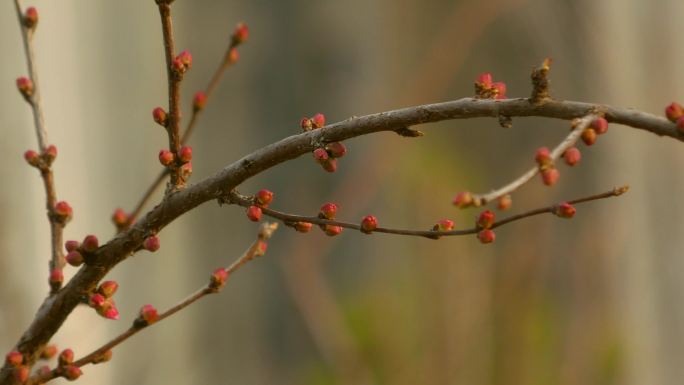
72	372
328	211
66	357
160	117
485	220
600	125
119	218
185	154
674	111
330	165
303	227
443	225
318	120
90	244
148	314
97	301
25	86
306	124
504	203
331	230
572	156
336	149
240	34
32	158
151	243
486	236
368	224
56	277
589	136
14	358
263	197
218	278
543	156
254	213
233	56
63	211
199	101
463	199
21	373
71	245
166	157
320	155
108	288
74	258
48	352
30	17
565	210
550	176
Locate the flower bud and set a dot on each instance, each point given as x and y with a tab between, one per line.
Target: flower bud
66	357
74	258
263	198
50	154
368	224
550	176
260	249
218	278
306	124
330	165
21	373
108	288
48	352
254	213
199	101
119	218
572	156
328	211
151	243
185	154
600	125
331	230
186	58
504	203
589	136
485	220
110	312
97	301
486	236
166	157
674	111
444	225
178	67
565	210
30	17
56	277
25	86
320	155
318	120
72	372
499	90
71	245
90	244
240	34
303	227
32	158
485	80
44	370
14	358
148	314
63	211
463	199
232	56
336	149
160	117
543	156
186	170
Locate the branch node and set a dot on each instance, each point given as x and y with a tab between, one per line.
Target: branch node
540	82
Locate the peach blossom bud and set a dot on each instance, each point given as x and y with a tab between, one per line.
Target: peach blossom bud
218	278
674	111
104	357
56	277
30	17
151	243
254	213
25	86
233	56
14	358
21	374
318	120
97	301
572	156
320	155
336	149
543	156
32	158
306	124
680	124
72	372
499	89
108	288
160	117
486	236
166	157
463	199
90	244
149	314
303	227
368	224
550	176
185	58
600	125
330	165
199	101
485	220
66	357
185	154
263	197
71	245
444	225
565	210
505	202
74	258
48	352
328	211
331	230
119	217
240	34
485	80
589	136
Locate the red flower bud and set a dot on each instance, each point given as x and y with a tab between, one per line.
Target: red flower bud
63	210
589	136
336	149
264	197
166	157
97	301
572	156
72	372
254	213
151	243
186	59
318	120
21	374
32	158
14	358
485	80
185	154
199	101
25	86
600	125
486	236
218	278
240	34
90	244
330	165
48	352
306	124
543	156
108	288
550	176
368	224
120	218
232	56
485	220
331	230
50	153
149	314
680	124
66	357
565	210
674	111
261	247
303	227
463	199
328	211
110	312
177	66
504	203
444	225
320	155
186	170
56	277
74	258
30	17
160	117
499	90
71	245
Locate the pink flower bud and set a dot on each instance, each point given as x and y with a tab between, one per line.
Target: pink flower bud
185	154
14	358
63	210
254	213
331	230
233	56
66	357
90	244
56	277
485	80
149	314
186	170
306	124
160	117
151	243
543	156
674	111
71	245
444	225
600	125
25	86
186	59
572	156
330	165
565	210
550	176
463	199
318	120
499	90
166	157
48	352
72	372
486	236
199	101
74	258
30	17
50	154
368	224
97	301
177	66
32	158
240	34
263	197
110	312
303	227
261	247
485	220
320	155
119	218
218	278
328	211
21	374
336	149
108	288
504	203
589	136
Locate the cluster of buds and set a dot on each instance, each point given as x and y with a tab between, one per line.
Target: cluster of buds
484	222
312	123
121	219
66	365
43	160
549	172
675	113
218	279
30	18
20	371
146	316
261	200
25	87
103	302
327	156
598	126
181	64
328	211
486	88
80	252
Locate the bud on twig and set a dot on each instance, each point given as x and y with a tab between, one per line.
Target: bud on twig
151	243
463	199
505	202
240	34
160	116
148	315
63	211
565	210
199	101
166	157
572	156
263	198
66	357
328	211
108	288
30	17
486	236
90	244
72	372
218	278
254	213
443	225
368	224
303	227
185	154
25	86
14	358
485	220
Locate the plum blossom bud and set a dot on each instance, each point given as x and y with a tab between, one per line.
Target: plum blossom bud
25	86
368	224
260	249
565	210
328	211
21	373
30	18
504	203
71	245
160	117
303	227
56	277
166	157
74	258
148	314
110	312
240	34
186	58
254	213
44	370
119	218
32	158
218	278
485	80
463	199
108	288
48	352
674	111
90	244
50	154
486	236
14	358
336	149
600	125
331	230
97	301
550	176
199	101
151	243
572	156
318	120
543	156
306	124
185	154
320	155
485	220
330	165
104	357
66	357
263	197
72	372
63	211
444	225
499	90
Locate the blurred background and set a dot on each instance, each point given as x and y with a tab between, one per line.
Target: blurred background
595	300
